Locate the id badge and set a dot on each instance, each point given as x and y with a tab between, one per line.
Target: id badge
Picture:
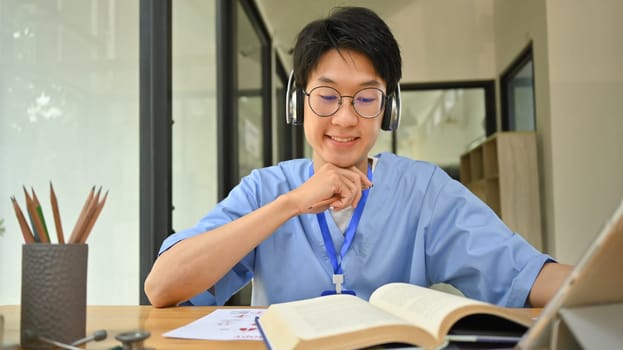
338	280
331	292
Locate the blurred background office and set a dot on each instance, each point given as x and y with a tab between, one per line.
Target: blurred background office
168	103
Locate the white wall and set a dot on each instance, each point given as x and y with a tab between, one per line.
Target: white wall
445	40
578	52
586	90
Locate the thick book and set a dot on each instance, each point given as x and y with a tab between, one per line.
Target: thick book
397	314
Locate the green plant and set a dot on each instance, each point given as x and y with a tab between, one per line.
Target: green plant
1	227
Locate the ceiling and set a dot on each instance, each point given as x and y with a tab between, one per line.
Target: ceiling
285	18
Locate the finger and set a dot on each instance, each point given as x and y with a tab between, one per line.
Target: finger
343	197
354	192
342	194
322	205
346	186
353	180
346	194
355	175
363	177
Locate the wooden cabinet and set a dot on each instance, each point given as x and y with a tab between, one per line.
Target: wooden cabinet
503	172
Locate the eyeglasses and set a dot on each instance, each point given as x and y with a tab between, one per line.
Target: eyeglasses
325	101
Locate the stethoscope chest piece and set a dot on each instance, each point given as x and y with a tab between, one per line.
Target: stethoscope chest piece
133	340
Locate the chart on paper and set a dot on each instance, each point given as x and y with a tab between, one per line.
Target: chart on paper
222	324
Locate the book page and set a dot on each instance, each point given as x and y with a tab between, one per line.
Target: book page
333	314
421	306
338	321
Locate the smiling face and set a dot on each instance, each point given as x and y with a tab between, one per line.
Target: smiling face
343	139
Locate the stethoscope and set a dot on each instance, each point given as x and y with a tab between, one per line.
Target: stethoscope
130	340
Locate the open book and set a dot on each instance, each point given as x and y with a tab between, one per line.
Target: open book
397	313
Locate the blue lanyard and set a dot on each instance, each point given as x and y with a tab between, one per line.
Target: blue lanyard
350	231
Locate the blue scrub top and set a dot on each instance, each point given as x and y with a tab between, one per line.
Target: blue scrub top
418	226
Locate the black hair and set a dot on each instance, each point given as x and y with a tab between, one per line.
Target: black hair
351	28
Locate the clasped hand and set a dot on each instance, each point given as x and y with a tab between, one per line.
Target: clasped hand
331	187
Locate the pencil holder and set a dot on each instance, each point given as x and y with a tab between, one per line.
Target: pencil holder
54	282
1	332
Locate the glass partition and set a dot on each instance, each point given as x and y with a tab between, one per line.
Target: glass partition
69	114
438	125
194	176
250	101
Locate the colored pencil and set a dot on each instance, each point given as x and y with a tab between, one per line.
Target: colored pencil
87	218
35	220
57	216
40	214
37	231
28	237
93	217
76	233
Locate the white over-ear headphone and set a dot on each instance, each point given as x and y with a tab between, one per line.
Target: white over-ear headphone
295	97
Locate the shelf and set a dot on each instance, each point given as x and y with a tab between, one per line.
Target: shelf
503	173
490	155
476	167
478	188
492	195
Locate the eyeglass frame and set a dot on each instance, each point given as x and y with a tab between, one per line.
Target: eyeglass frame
352	101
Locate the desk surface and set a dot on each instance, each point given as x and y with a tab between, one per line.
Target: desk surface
117	319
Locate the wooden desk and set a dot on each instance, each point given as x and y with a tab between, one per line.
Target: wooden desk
117	319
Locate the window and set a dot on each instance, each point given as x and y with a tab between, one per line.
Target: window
517	97
194	111
441	121
69	113
250	98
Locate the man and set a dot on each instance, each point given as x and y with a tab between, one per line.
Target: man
344	222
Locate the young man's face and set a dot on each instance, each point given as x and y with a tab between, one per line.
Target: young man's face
345	138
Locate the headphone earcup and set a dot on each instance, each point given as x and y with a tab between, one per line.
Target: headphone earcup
299	107
294	102
391	115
